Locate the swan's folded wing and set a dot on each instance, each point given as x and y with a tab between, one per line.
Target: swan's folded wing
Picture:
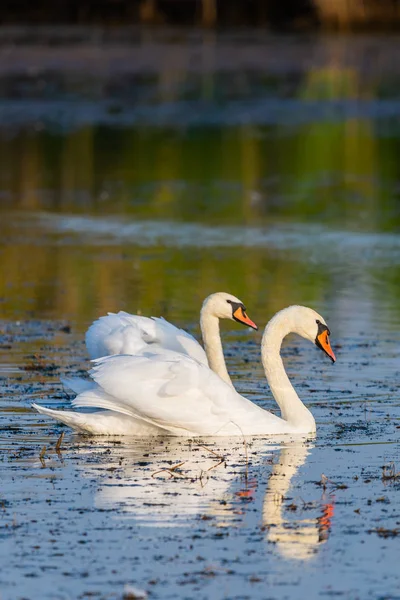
157	331
123	333
112	334
166	389
179	340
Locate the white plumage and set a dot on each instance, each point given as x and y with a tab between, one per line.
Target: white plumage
123	333
162	391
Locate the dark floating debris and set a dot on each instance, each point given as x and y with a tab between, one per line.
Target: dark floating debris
325	482
389	473
385	533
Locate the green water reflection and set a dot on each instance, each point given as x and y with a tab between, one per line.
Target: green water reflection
341	174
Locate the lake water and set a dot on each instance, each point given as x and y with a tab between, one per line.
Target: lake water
143	171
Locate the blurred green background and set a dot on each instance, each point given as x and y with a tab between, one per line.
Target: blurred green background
144	176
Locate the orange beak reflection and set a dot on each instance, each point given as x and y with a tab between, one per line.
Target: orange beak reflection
240	316
325	345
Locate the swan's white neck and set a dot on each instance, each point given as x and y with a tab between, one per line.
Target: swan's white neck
292	408
209	325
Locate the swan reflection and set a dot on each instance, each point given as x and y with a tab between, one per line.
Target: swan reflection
297	537
217	483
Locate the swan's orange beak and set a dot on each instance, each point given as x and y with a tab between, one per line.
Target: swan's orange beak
240	316
323	342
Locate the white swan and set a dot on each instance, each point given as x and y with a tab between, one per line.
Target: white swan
123	333
164	392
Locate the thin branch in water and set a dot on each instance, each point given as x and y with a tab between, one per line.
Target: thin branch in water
41	456
59	442
170	471
221	459
246	475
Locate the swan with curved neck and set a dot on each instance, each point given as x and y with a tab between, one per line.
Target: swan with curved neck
123	333
220	306
164	392
309	325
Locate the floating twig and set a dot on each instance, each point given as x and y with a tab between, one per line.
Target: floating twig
220	458
41	456
170	470
59	442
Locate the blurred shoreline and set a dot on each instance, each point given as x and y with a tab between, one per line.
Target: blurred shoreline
98	51
297	15
291	14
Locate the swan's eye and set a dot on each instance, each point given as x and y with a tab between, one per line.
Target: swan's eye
318	322
229	301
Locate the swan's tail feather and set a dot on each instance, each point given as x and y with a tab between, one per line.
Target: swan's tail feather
96	399
101	423
78	421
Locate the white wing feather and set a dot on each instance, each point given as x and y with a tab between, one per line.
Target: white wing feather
166	389
123	333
